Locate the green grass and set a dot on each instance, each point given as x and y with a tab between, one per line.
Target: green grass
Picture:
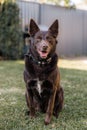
13	106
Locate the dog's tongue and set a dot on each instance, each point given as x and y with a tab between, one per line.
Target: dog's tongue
43	54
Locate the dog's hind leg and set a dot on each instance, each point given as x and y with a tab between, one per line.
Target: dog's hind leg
59	102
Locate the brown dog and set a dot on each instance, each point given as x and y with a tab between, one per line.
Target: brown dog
41	75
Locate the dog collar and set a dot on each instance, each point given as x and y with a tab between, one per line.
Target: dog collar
39	62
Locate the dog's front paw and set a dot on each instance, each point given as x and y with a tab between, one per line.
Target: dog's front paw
32	116
47	120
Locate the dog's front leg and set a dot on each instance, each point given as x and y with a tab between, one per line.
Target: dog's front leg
31	85
31	104
30	98
50	107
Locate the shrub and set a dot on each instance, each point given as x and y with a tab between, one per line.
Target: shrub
11	45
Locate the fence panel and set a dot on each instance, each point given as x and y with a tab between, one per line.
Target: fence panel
28	10
72	25
70	28
85	33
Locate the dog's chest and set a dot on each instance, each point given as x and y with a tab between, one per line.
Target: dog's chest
39	83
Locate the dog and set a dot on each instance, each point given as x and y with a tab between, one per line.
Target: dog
41	75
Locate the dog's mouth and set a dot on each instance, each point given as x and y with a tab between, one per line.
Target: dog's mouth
43	54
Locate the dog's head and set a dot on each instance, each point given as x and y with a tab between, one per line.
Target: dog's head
43	42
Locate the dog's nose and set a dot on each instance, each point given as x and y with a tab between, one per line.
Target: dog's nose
45	48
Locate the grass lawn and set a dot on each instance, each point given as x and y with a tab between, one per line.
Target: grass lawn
12	98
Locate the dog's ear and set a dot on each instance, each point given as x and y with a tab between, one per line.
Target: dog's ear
33	28
54	28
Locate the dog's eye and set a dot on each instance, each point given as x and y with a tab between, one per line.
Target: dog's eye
50	41
39	39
